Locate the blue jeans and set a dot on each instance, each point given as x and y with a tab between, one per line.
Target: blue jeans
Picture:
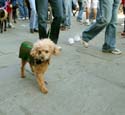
42	11
23	11
67	12
108	19
81	9
33	17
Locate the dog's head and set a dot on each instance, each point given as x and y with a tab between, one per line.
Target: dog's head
44	49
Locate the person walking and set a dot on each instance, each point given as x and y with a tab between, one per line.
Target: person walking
107	20
42	11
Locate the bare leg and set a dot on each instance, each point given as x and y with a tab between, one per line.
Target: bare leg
94	12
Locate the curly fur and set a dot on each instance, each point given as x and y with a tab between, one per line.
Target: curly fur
42	50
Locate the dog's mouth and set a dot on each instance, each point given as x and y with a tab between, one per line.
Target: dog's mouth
39	61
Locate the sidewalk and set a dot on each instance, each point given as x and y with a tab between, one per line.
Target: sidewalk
80	81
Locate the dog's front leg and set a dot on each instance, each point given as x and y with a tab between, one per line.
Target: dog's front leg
40	80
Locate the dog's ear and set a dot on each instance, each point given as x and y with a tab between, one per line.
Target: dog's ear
56	50
33	52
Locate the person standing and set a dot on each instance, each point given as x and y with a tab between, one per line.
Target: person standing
42	11
66	24
80	13
91	7
23	11
107	20
33	17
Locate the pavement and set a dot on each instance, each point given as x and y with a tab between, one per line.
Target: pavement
81	81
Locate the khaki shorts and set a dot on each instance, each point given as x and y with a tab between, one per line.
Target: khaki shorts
91	3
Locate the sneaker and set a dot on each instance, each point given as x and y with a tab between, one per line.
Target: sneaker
113	51
36	30
77	38
71	41
63	28
123	34
116	51
87	22
85	44
93	21
31	30
27	18
78	20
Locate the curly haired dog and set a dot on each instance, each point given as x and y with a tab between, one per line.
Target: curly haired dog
38	56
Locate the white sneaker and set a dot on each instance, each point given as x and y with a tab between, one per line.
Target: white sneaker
87	22
93	21
114	51
71	41
77	38
85	44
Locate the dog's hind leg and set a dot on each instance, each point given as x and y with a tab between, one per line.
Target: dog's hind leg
5	25
23	63
1	26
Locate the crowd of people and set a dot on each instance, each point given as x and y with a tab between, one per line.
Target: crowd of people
99	14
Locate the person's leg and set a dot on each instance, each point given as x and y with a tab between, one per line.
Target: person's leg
101	22
42	11
123	33
33	15
110	34
57	9
68	12
88	5
80	13
25	9
21	11
94	7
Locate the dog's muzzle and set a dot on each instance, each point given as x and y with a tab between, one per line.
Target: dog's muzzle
38	61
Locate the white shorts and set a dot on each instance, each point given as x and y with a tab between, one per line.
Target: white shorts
91	3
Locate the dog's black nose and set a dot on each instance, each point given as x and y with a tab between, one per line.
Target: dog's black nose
38	61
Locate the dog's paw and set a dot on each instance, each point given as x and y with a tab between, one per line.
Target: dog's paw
44	90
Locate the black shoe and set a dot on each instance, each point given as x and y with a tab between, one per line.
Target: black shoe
36	30
31	30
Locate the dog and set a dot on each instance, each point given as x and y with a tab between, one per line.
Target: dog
3	19
38	56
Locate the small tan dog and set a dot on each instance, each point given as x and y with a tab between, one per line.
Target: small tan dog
38	56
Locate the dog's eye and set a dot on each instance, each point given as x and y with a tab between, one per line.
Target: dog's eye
46	51
39	52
